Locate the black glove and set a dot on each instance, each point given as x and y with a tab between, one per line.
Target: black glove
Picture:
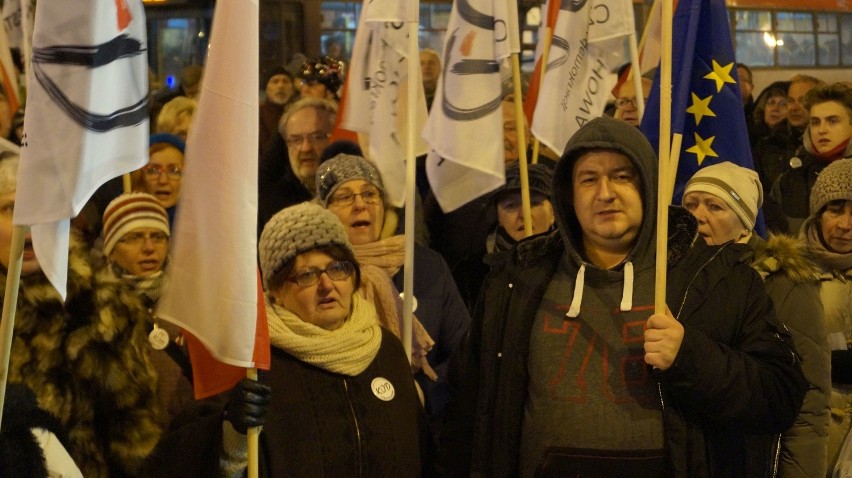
246	405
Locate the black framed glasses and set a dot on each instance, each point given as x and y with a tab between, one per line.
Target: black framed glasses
337	271
347	198
153	171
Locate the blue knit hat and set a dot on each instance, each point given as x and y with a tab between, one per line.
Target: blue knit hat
168	139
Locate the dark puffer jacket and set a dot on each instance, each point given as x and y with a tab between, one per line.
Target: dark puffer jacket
735	382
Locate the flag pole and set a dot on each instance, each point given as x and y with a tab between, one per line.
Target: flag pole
663	200
410	179
253	437
522	144
10	305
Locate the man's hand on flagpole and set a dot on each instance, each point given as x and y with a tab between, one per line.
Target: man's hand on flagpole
247	403
663	337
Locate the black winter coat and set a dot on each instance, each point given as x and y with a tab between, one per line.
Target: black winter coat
324	424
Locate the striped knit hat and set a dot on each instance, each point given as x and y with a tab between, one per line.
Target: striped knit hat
739	187
132	211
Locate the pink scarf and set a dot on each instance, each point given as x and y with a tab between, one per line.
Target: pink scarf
379	262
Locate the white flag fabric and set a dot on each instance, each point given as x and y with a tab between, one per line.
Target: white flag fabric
86	120
377	91
212	289
587	46
465	125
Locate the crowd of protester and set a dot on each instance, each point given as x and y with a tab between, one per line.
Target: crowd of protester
533	354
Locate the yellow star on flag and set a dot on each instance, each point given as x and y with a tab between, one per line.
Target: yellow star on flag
703	148
700	108
721	75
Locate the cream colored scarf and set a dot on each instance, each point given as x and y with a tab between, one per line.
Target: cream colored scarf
379	262
348	350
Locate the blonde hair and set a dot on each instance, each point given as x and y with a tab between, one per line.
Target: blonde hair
8	172
172	111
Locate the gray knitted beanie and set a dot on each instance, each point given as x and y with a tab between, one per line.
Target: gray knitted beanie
834	182
294	230
342	168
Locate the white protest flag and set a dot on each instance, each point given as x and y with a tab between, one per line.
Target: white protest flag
465	125
213	287
377	90
86	120
587	46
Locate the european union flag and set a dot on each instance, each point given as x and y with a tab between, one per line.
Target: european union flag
706	104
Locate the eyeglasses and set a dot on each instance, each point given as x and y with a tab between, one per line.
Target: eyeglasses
314	139
780	102
153	171
622	102
139	238
346	198
339	270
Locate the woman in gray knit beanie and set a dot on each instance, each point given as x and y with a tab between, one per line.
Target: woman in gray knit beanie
828	236
345	403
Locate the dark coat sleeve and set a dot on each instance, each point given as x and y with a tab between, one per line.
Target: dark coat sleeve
736	368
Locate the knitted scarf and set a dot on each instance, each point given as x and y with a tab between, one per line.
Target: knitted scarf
379	262
829	259
348	350
149	287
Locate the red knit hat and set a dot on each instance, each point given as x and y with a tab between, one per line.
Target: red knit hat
132	211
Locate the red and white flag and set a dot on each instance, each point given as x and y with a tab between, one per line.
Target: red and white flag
465	125
548	22
588	44
213	290
86	120
376	99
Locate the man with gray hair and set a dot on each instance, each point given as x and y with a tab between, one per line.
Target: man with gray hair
289	164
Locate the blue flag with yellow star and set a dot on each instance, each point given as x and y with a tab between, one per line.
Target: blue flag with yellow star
706	104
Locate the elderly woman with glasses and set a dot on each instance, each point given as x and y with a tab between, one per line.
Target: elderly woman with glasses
345	403
352	188
162	175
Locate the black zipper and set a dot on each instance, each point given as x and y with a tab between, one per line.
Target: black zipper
358	445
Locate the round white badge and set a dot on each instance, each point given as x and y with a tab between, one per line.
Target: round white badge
158	338
413	301
383	389
795	162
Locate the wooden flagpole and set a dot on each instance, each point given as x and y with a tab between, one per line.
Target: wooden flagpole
10	305
413	20
665	175
522	144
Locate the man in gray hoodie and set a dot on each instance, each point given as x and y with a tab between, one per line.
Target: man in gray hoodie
566	370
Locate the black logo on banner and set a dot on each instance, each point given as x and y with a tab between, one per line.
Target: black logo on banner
91	57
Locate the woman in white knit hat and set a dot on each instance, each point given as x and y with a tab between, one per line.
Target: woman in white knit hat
828	235
725	199
344	401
